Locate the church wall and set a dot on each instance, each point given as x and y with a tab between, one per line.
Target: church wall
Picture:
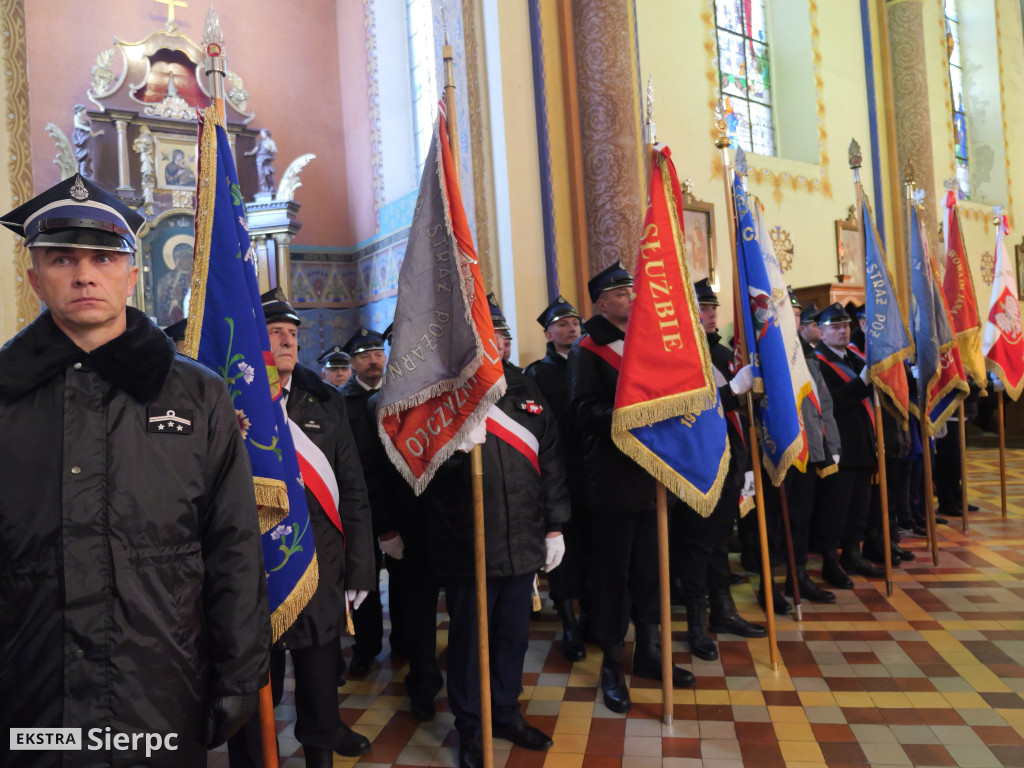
8	274
296	60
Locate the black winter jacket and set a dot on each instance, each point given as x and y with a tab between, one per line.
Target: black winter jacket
520	505
615	482
856	433
345	562
131	574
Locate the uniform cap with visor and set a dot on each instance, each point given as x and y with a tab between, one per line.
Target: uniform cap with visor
614	276
833	315
559	309
705	293
277	308
335	357
364	340
76	213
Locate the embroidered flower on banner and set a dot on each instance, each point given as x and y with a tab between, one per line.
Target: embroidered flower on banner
243	422
248	372
281	530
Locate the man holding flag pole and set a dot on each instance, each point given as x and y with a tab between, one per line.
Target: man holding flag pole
1003	345
941	381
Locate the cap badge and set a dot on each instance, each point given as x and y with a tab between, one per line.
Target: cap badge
78	190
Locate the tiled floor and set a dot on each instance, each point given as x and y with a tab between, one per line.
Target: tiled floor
933	676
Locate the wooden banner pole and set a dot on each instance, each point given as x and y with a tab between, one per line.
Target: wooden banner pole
963	466
665	607
1002	453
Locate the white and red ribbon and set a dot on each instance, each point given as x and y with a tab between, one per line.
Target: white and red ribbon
317	473
504	427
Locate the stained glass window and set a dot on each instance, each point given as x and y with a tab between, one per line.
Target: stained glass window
744	73
956	86
424	76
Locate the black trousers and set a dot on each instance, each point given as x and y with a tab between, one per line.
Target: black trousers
701	545
946	470
841	510
800	489
317	719
567	580
368	621
508	618
412	604
897	478
624	581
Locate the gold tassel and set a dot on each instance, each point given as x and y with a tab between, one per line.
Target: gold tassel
349	626
536	595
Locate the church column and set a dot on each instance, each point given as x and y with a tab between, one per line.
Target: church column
910	91
606	59
123	184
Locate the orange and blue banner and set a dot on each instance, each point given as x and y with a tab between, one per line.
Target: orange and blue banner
228	333
444	370
762	306
958	288
668	417
941	375
886	337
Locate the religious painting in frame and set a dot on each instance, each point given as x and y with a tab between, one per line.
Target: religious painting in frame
167	246
849	252
699	233
176	161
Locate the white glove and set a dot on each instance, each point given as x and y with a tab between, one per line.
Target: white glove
743	381
748	484
356	597
835	458
914	372
865	374
554	551
997	384
476	437
393	546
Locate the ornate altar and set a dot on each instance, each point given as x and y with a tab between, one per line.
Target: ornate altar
137	136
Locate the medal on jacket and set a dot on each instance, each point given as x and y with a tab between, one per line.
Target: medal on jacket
531	406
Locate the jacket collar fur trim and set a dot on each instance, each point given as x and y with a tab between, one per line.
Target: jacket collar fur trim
602	330
137	362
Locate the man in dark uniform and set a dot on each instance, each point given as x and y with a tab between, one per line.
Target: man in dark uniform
502	330
132	594
702	543
366	352
810	334
841	510
335	366
176	333
525	505
624	538
344	551
801	488
562	328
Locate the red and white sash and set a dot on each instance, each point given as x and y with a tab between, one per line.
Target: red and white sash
611	353
505	428
317	473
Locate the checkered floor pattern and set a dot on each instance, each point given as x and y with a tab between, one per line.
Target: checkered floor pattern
933	676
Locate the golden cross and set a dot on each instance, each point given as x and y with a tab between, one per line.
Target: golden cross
171	5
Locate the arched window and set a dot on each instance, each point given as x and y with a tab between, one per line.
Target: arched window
956	84
424	75
744	71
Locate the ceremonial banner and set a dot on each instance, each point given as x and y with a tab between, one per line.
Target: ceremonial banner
958	289
667	414
444	370
1004	345
938	361
887	339
227	333
800	376
765	310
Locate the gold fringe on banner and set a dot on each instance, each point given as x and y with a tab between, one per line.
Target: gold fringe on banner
272	498
288	611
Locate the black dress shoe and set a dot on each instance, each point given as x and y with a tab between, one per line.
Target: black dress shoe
572	644
613	685
471	752
736	578
941	521
701	644
422	709
360	665
350	743
904	555
522	734
834	574
877	557
725	619
951	512
318	757
857	563
780	605
809	590
972	508
651	670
